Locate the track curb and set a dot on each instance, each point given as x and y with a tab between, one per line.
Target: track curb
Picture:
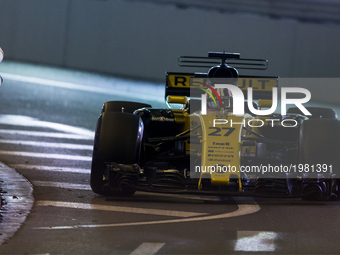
17	195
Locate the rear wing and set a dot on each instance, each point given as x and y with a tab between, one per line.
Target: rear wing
218	58
178	84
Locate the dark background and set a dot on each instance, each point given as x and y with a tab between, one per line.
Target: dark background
142	39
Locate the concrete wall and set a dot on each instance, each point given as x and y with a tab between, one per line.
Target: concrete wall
141	40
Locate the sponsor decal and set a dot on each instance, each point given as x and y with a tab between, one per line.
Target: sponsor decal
162	119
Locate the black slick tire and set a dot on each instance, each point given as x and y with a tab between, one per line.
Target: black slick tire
118	139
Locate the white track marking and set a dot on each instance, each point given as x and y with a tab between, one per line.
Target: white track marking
123	90
111	208
63	185
148	248
53	83
70	146
243	209
46	155
183	196
51	168
20	120
254	241
45	134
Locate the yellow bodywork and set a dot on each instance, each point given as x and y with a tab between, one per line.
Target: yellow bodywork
221	145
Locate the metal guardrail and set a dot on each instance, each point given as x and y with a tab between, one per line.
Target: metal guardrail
302	10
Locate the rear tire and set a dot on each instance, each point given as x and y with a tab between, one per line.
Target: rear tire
118	139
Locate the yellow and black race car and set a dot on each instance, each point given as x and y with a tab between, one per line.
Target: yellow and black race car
225	138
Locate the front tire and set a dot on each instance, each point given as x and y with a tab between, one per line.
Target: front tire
118	138
319	146
317	112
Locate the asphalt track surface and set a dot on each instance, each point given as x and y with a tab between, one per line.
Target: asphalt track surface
47	120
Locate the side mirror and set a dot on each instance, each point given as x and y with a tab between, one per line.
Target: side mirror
177	99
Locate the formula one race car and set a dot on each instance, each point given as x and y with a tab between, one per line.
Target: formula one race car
224	138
